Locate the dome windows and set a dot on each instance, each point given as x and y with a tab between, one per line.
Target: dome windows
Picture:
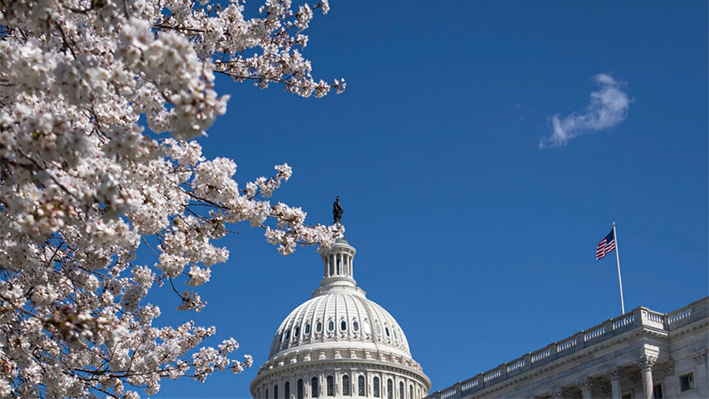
355	326
314	387
296	332
345	385
367	327
286	335
360	385
318	326
386	330
343	325
375	387
330	385
330	325
306	330
395	336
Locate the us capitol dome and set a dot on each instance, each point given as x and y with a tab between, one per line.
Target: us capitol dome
339	344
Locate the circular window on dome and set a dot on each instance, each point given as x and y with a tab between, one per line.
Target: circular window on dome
306	330
330	325
343	325
386	330
355	325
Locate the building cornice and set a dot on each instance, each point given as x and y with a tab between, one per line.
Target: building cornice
638	324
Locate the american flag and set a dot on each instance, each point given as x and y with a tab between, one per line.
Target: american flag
606	246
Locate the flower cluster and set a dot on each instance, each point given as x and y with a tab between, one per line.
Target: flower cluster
87	90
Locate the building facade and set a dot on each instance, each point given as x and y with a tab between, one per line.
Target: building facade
339	344
641	354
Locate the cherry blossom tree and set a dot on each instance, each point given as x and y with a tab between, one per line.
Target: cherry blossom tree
100	105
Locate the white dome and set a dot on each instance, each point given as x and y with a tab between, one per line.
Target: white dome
338	343
343	315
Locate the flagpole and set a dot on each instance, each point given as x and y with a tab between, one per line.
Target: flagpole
617	261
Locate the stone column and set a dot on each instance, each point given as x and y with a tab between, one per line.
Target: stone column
337	381
585	384
614	374
645	362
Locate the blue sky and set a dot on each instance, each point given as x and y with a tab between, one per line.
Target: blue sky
477	241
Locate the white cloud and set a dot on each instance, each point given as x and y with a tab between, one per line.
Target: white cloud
608	107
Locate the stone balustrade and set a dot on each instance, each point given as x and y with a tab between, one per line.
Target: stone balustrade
635	319
515	365
449	393
492	375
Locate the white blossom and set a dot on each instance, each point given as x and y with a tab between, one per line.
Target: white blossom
198	276
100	105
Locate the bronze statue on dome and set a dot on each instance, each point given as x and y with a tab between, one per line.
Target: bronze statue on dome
337	210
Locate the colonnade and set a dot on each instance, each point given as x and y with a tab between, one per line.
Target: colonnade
337	264
665	383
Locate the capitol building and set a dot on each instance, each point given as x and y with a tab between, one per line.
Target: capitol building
339	344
